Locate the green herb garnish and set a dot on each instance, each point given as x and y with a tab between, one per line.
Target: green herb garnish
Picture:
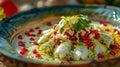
83	22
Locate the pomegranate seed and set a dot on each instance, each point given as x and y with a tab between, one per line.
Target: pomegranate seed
20	37
97	36
32	39
115	30
69	59
58	42
34	51
103	23
35	43
92	32
112	53
90	44
72	38
27	34
38	56
118	33
86	35
86	41
39	31
80	36
96	31
66	33
31	30
116	46
61	62
75	42
20	43
23	51
55	32
107	30
100	55
49	24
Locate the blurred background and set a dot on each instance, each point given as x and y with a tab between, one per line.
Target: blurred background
15	6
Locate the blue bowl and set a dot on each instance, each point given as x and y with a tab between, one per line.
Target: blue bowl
10	24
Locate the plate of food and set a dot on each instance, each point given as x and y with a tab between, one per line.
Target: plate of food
62	35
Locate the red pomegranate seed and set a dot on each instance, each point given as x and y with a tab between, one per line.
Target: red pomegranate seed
23	51
49	24
38	56
112	53
86	41
61	62
80	36
115	46
92	32
103	23
96	31
107	30
27	34
69	59
118	33
31	30
75	42
20	37
55	32
39	31
35	43
34	51
58	42
20	43
86	35
115	29
72	38
32	39
66	33
90	44
100	55
97	36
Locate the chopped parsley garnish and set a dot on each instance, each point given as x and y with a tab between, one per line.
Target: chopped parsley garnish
82	23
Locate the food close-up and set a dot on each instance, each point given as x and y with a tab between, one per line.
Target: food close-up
59	33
